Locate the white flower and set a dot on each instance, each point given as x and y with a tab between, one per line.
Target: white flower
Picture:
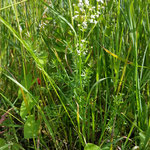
83	41
76	12
95	21
78	51
84	24
98	13
87	2
28	34
44	24
81	9
91	20
83	74
84	53
93	16
100	1
20	28
80	4
75	16
81	45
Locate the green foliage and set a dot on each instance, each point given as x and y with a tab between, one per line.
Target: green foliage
2	144
74	73
24	110
31	127
12	146
90	146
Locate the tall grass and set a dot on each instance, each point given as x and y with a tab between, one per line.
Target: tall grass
74	73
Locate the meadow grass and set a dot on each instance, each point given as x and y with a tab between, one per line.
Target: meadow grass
74	74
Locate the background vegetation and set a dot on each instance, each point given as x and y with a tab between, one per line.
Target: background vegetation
73	73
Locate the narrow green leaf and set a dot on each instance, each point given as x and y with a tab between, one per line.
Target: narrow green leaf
61	17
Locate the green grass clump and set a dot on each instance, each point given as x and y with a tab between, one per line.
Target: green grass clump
74	74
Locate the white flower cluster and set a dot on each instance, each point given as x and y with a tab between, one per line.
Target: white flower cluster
86	14
81	47
42	25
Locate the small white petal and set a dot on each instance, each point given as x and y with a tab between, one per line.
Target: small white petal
80	4
91	20
100	1
93	16
87	2
95	21
83	41
76	12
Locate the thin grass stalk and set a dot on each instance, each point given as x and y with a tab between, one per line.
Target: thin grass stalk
78	122
129	134
3	8
116	46
54	104
49	127
123	71
22	51
105	68
71	12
